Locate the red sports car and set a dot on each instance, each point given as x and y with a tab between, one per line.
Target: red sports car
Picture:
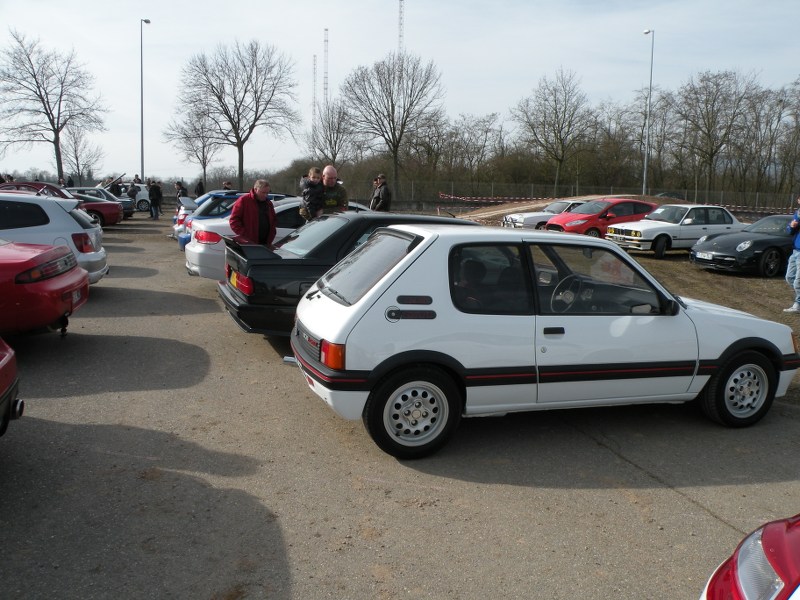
765	565
40	286
107	213
11	407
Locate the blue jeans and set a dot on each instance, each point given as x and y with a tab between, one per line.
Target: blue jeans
793	274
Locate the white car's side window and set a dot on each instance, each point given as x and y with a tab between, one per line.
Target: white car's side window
489	279
587	280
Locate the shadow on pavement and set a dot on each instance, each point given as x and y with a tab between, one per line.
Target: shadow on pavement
153	527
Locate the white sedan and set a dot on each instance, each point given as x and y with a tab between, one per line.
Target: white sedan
423	325
674	227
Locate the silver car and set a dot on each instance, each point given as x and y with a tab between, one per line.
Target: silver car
538	219
55	221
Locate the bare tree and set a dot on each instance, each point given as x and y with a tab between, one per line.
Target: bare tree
80	156
428	150
755	140
711	104
392	99
555	118
475	139
332	139
611	150
194	136
243	88
44	92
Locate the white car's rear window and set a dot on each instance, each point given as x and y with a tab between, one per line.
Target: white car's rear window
360	270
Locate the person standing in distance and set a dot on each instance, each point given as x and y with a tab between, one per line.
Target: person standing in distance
334	193
793	264
253	215
155	195
382	196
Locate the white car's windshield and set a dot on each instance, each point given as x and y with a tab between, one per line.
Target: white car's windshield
668	214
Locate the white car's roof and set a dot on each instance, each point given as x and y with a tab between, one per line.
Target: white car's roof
457	234
689	206
66	203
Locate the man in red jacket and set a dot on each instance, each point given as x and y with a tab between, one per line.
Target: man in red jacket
253	216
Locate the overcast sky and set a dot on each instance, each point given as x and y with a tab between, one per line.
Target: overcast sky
490	54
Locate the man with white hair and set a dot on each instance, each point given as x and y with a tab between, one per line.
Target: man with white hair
335	196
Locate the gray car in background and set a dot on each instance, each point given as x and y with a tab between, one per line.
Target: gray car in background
128	205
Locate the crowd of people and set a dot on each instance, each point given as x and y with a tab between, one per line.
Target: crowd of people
253	216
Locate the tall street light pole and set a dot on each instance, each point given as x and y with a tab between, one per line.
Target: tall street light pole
141	90
652	33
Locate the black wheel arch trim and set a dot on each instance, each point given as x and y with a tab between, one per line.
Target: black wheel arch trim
781	362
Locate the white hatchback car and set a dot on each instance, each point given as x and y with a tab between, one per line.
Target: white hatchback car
420	326
46	220
205	252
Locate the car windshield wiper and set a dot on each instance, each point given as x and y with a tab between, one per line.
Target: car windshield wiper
334	292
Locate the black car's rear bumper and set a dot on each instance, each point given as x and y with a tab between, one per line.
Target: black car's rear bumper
254	318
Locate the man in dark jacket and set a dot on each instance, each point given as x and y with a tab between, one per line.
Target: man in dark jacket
156	195
253	216
382	196
334	194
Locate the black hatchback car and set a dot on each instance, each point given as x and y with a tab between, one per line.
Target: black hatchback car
262	287
762	247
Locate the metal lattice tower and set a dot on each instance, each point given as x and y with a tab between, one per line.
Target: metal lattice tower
314	97
325	79
400	27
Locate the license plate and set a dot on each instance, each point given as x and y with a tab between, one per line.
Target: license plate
703	255
76	296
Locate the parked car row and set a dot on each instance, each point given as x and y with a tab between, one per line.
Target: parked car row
128	205
715	238
51	250
107	212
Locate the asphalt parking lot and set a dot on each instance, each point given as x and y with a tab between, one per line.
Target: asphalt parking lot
166	454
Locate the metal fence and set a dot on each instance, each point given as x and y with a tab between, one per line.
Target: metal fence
455	196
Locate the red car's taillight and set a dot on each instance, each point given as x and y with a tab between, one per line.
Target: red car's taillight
49	269
207	237
83	242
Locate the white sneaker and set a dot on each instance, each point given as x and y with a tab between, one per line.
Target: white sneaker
794	308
